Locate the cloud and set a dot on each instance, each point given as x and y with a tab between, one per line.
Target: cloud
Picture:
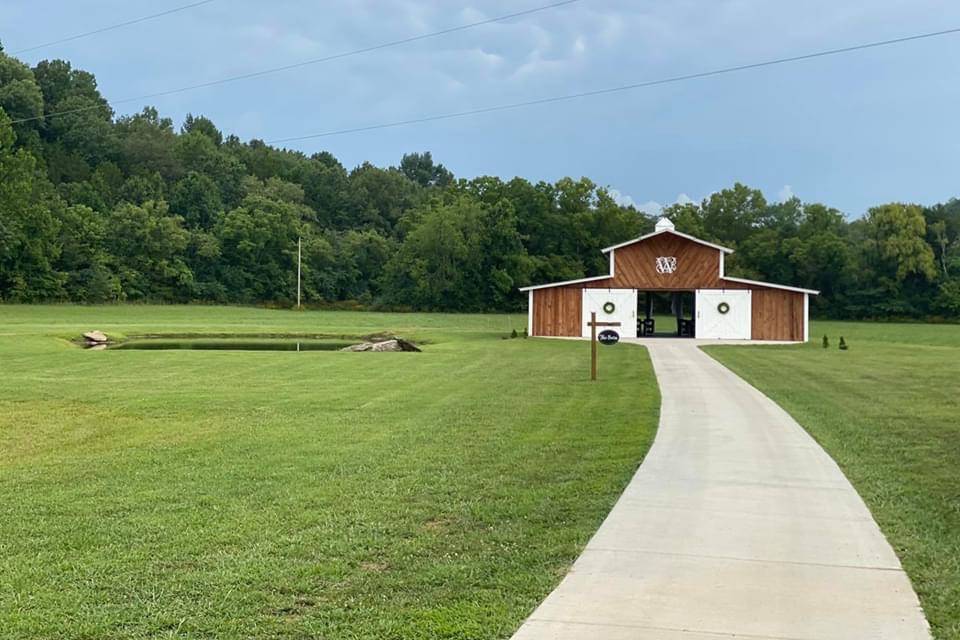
621	199
612	29
579	45
651	208
786	193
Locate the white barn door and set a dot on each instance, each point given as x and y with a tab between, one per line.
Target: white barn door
621	306
723	314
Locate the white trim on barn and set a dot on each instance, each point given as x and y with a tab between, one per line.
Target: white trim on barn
530	313
769	284
668	230
560	284
806	317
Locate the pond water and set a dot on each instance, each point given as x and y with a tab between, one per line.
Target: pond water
156	344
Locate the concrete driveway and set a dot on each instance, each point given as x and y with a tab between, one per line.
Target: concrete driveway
737	525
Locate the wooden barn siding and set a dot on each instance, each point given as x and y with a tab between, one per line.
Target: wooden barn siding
777	315
698	267
557	311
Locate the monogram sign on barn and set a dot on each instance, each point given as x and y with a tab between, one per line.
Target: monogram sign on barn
666	264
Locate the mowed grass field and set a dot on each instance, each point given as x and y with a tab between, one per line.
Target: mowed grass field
186	494
888	411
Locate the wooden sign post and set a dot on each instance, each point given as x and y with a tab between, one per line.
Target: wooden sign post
593	341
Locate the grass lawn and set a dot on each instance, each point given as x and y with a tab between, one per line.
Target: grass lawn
888	411
247	494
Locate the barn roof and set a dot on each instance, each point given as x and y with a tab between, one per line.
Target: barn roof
671	231
771	285
565	282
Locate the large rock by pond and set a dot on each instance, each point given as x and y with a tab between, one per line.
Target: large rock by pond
96	337
395	344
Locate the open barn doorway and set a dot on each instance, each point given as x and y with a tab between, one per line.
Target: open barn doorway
666	313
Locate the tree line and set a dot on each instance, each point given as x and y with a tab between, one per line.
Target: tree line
97	208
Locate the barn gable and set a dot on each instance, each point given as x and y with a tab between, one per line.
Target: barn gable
694	265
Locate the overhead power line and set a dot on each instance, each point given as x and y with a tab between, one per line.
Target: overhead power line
112	27
625	87
296	65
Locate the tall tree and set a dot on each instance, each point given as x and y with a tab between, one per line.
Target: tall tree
20	98
202	125
148	245
258	243
29	225
420	168
899	231
731	215
84	258
147	144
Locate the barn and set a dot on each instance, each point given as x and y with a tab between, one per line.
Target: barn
671	268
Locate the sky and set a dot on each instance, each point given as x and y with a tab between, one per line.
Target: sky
851	131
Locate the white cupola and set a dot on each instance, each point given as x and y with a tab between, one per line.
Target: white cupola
664	224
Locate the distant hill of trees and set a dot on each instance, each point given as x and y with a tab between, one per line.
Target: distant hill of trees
95	208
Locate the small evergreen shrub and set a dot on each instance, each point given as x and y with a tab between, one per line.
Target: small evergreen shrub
843	344
826	342
513	334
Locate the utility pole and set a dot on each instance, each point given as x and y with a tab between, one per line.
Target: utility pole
299	259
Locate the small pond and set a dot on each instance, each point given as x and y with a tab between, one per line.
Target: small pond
219	344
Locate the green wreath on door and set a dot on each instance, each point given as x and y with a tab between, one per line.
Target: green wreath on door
609	307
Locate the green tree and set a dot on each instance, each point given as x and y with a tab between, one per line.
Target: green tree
196	198
504	260
326	188
29	225
420	168
687	218
147	245
142	188
899	231
20	98
378	198
361	257
202	125
203	259
84	258
943	235
947	301
85	126
731	215
147	145
432	268
460	255
197	152
258	243
821	257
